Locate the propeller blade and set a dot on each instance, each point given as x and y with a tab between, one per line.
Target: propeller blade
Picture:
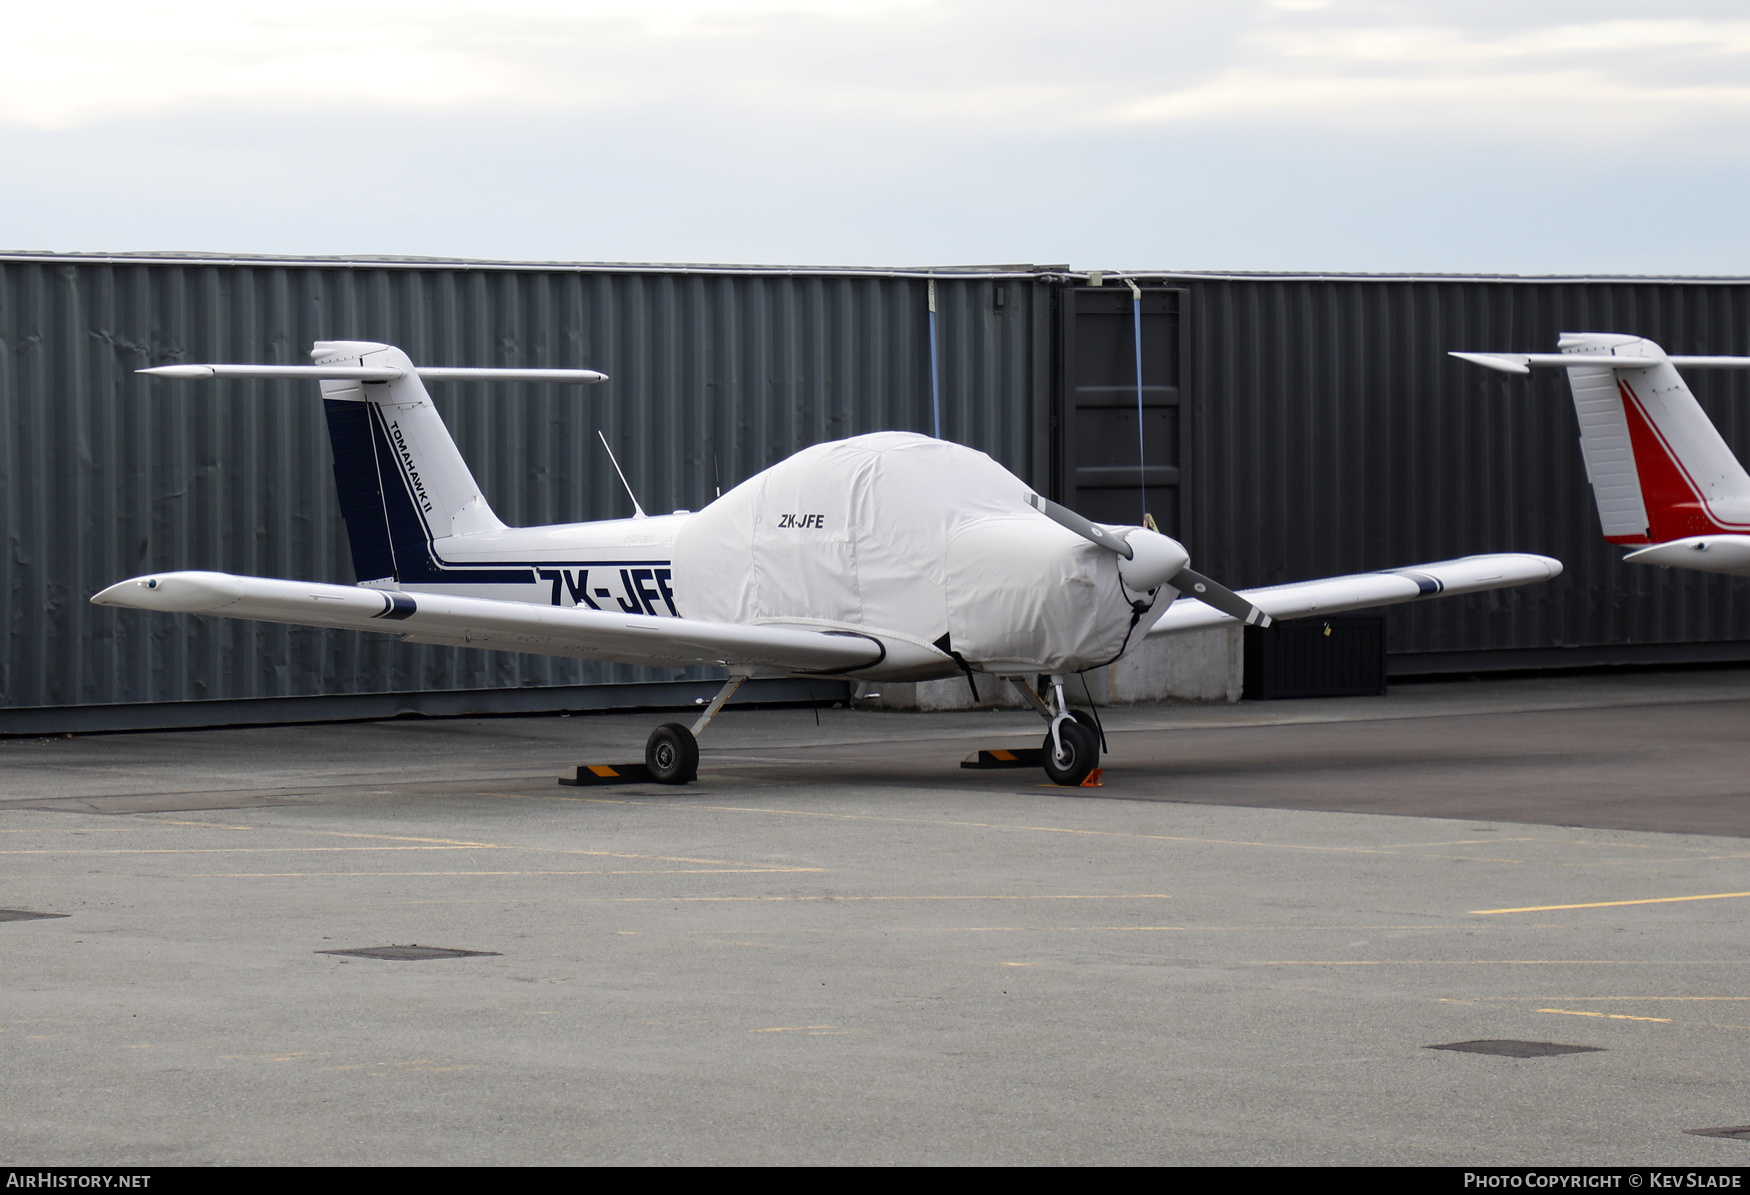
1063	516
1212	593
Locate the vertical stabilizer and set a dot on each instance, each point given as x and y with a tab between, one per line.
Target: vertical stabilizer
1658	467
403	485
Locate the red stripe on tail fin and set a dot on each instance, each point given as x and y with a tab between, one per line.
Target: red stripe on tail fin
1674	502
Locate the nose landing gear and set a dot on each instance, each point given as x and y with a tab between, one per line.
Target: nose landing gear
1074	755
1072	745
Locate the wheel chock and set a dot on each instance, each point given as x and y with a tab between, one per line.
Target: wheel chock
620	773
1095	779
1019	757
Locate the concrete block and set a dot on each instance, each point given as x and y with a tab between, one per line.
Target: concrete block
930	695
1194	666
1204	665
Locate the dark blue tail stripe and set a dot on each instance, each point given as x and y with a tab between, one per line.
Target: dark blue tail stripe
361	497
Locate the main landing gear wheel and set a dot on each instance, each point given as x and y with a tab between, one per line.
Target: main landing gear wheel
1081	752
672	754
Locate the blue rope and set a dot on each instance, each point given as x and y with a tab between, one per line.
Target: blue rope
1141	459
935	386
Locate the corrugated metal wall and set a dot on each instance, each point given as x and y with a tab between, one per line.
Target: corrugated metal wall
1332	433
1327	432
108	475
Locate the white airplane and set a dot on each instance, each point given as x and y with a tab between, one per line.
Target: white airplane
884	557
1660	472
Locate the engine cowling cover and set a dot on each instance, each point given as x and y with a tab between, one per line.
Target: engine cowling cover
899	535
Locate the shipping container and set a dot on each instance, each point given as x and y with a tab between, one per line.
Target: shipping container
1290	427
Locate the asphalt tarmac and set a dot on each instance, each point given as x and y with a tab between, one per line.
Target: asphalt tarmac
839	947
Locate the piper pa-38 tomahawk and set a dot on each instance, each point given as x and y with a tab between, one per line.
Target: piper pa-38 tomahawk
1665	482
884	557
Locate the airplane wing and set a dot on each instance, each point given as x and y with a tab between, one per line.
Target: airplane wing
500	625
1334	595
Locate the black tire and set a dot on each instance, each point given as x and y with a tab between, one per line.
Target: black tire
1081	751
1087	719
672	754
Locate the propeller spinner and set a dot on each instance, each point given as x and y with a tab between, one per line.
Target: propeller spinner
1152	560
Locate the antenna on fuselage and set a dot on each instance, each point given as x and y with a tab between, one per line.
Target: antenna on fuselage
638	511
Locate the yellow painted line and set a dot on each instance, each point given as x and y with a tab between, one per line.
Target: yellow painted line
1501	962
1405	846
1337	929
322	833
629	900
233	850
794	1029
625	855
290	1056
671	871
206	825
329	833
732	942
1608	904
389	837
1608	1016
81	830
1615	999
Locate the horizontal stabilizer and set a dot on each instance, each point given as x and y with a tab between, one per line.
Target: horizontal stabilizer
1706	553
1524	362
441	373
361	373
1334	595
499	625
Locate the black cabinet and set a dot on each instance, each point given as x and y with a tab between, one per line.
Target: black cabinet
1339	656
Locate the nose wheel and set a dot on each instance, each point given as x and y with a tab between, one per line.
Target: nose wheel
1075	753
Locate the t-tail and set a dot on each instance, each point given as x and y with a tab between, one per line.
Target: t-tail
405	492
403	485
1660	473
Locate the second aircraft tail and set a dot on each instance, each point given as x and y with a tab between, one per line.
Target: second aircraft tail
1678	477
1658	467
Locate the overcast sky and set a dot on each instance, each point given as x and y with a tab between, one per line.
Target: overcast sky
1529	137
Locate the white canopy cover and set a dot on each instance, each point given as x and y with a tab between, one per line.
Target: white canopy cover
898	535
